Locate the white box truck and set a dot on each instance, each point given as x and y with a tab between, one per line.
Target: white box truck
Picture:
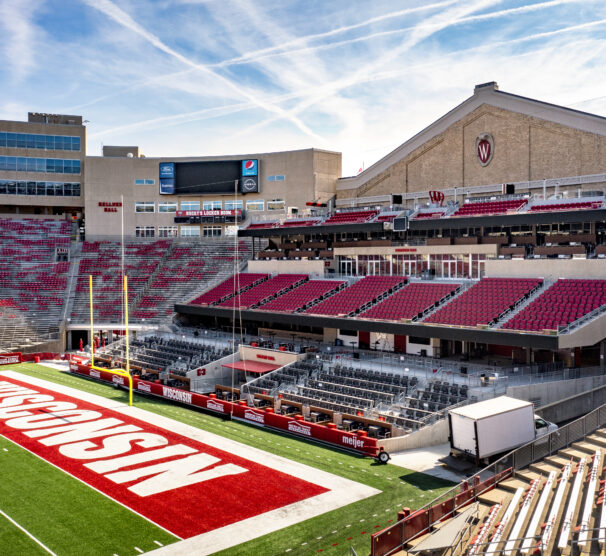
481	430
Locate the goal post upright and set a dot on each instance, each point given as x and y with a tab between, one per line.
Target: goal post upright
119	372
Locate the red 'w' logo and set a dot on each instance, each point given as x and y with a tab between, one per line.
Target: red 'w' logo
484	150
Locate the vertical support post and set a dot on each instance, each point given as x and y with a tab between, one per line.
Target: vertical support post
91	339
126	329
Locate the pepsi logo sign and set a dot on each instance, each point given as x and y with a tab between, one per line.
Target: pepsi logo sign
249	167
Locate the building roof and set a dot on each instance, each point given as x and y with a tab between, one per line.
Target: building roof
486	93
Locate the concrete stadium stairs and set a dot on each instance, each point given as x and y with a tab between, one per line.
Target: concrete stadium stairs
555	506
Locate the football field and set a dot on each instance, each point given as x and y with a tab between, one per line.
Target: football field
71	484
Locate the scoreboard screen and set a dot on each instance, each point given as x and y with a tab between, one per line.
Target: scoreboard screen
216	177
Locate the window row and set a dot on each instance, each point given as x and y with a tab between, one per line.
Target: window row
38	188
279	177
145	182
173	231
172	206
42	165
39	141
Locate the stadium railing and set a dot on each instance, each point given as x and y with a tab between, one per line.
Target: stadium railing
412	525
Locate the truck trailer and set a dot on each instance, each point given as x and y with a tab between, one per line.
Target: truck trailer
485	429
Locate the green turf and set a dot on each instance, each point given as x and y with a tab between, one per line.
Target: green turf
329	532
66	515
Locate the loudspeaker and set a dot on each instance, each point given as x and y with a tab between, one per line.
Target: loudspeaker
396	199
510	189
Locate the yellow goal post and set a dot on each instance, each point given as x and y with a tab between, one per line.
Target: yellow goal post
120	372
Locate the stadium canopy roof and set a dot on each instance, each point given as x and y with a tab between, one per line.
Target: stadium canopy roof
252	366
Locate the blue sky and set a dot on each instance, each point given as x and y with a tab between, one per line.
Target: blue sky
210	77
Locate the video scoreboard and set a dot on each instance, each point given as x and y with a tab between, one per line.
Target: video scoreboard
215	177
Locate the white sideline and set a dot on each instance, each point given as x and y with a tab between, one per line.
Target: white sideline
28	534
341	491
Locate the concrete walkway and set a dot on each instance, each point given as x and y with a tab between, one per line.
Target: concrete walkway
425	460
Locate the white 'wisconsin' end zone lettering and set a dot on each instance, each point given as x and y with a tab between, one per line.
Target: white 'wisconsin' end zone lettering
65	425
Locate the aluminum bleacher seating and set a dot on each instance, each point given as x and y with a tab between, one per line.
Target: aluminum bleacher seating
429	215
386	216
564	302
351	217
566	205
358	296
230	287
265	291
32	280
160	274
262	225
484	302
304	295
490	207
409	301
292	223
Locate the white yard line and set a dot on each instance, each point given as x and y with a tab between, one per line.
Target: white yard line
28	533
341	491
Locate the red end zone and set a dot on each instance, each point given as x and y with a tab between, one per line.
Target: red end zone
181	484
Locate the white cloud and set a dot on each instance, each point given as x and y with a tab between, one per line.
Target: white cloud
237	76
19	35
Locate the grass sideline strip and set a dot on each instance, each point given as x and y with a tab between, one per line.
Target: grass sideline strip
332	533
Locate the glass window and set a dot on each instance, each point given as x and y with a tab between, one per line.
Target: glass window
190	231
144	231
39	141
167	207
212	231
145	206
167	231
3	187
44	165
255	205
234	205
144	182
211	205
276	204
190	205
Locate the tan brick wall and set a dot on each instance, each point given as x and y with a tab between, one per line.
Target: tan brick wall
526	148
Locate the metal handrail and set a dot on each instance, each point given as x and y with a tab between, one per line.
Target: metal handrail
582	320
518	459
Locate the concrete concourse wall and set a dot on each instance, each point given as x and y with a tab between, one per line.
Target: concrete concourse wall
431	435
550	269
314	268
550	392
